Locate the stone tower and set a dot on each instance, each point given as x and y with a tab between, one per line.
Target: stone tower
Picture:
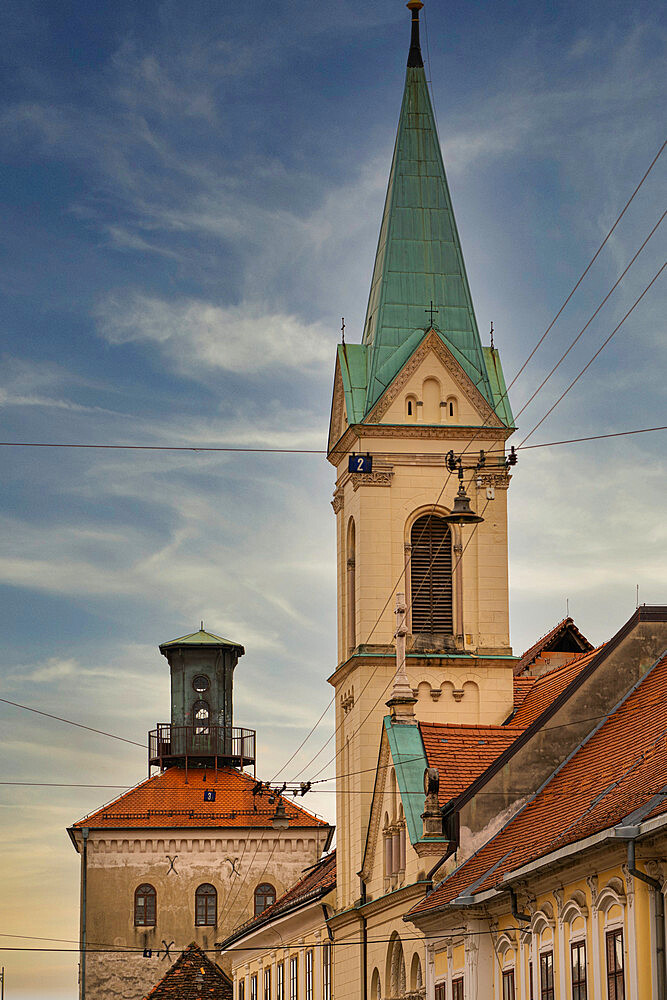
423	398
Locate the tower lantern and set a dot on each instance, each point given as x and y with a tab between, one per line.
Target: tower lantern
201	731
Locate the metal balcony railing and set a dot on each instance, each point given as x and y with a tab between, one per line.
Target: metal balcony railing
218	744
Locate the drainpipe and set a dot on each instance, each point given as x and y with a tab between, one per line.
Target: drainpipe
84	892
659	918
516	913
364	943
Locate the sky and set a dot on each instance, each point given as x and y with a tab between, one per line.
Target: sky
191	196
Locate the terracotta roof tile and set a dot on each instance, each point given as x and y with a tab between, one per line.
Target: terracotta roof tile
522	686
193	976
546	688
621	767
462	753
165	800
545	642
316	882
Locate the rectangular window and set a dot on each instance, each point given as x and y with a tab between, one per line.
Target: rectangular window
441	991
457	989
309	975
547	976
508	985
326	972
240	993
615	981
294	978
280	981
253	986
267	984
578	961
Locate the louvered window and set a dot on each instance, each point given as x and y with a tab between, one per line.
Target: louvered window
431	575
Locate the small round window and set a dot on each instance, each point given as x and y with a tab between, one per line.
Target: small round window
201	683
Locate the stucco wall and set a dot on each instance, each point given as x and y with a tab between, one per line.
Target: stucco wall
119	861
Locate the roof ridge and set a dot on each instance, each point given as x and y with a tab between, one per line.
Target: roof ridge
576	658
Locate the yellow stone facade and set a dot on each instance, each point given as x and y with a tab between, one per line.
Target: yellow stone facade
576	902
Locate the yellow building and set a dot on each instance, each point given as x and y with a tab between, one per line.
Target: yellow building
567	899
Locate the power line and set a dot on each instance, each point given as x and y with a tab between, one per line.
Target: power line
597	353
69	722
583	330
298	451
589	266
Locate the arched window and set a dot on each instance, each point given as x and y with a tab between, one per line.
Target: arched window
206	906
265	896
145	906
431	575
452	409
351	587
411	408
201	715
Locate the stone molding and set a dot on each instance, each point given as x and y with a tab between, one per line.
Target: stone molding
370	479
338	501
499	480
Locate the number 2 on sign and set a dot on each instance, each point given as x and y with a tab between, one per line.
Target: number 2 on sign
360	463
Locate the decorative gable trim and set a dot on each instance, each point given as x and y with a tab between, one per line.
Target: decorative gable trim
433	342
337	407
384	762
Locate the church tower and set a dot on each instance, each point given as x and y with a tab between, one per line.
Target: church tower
425	404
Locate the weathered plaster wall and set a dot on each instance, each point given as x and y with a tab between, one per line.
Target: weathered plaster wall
119	861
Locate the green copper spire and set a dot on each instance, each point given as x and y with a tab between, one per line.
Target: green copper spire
419	259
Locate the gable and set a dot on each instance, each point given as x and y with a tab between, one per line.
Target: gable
433	375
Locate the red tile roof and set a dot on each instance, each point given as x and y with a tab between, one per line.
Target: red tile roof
462	753
316	882
619	768
193	976
166	800
550	641
522	686
546	688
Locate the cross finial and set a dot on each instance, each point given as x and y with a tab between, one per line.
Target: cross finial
201	626
492	336
431	310
342	330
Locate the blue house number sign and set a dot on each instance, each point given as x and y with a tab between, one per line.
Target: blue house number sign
360	463
209	795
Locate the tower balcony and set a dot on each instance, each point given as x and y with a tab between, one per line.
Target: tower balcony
197	745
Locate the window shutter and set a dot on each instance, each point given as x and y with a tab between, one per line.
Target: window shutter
431	575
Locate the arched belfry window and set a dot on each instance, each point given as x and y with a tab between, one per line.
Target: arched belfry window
145	906
431	575
206	905
201	715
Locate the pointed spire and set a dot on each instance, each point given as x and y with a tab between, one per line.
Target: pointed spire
419	261
415	54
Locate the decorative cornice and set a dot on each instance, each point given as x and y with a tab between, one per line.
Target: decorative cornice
440	432
370	479
432	342
338	501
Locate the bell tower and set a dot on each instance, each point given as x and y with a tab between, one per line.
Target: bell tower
201	731
424	404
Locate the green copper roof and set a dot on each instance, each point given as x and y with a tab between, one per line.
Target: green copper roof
200	638
419	258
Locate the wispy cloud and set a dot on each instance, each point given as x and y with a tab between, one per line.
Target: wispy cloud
194	334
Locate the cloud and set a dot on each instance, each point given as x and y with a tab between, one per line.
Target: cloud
195	334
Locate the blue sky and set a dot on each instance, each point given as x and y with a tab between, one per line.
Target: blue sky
190	202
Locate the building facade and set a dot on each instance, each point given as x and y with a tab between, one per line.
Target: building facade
193	851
